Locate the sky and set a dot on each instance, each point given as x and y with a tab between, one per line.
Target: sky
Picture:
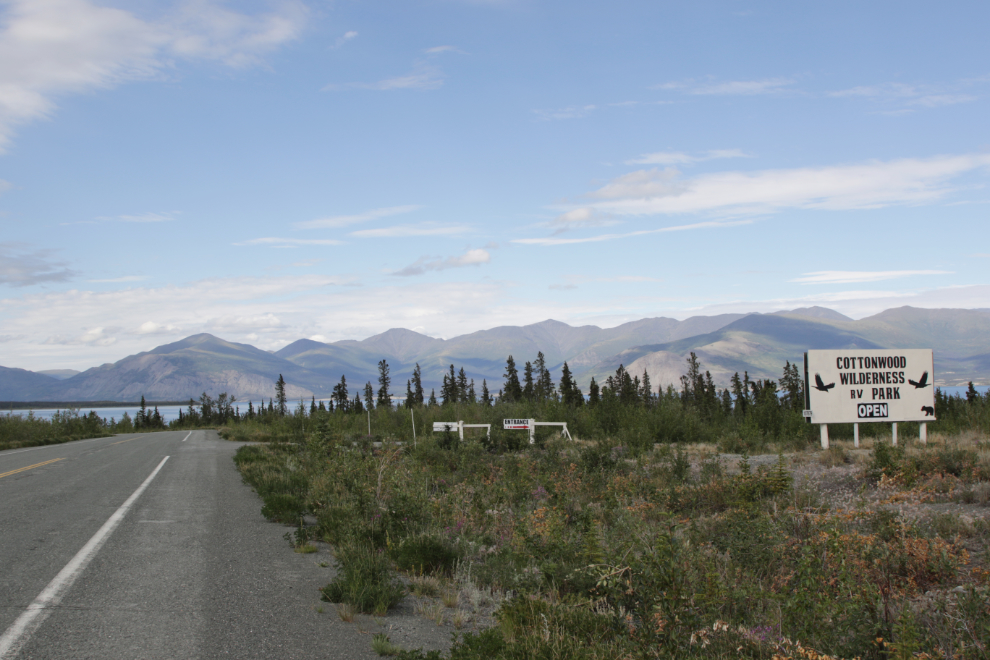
270	171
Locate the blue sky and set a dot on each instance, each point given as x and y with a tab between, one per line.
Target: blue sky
267	171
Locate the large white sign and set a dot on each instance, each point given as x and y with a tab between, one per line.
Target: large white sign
853	385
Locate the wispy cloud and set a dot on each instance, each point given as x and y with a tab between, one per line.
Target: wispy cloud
580	217
902	98
289	242
49	48
22	266
343	39
570	112
120	280
729	88
402	231
681	158
554	240
146	217
874	184
424	76
853	276
436	50
425	264
337	221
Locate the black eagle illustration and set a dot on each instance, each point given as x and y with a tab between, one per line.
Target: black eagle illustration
922	382
821	386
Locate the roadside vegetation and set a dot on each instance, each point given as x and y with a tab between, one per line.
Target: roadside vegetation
17	430
695	523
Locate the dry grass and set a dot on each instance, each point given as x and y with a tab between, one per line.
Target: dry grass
450	598
431	610
426	586
346	612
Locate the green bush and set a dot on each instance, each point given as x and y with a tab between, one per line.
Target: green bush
424	554
365	580
282	507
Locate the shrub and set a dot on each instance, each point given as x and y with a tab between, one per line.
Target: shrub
424	554
365	580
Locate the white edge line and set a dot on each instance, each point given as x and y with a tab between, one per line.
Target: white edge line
28	622
187	436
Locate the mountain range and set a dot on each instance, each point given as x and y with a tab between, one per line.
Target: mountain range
725	344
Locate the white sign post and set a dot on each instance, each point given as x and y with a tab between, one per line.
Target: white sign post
530	425
440	427
851	386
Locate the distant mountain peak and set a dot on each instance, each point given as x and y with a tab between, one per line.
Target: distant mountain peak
815	312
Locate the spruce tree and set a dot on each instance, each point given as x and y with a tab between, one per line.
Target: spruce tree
384	382
369	396
357	406
312	406
471	396
529	389
511	391
593	394
280	399
486	397
690	380
340	394
543	388
433	398
417	383
566	385
410	397
646	389
462	386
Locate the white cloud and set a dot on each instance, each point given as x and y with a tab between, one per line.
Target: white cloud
570	112
735	87
851	276
347	36
337	221
856	304
152	328
422	265
580	217
289	242
402	231
49	48
680	158
424	76
21	266
119	280
873	184
904	97
146	217
553	240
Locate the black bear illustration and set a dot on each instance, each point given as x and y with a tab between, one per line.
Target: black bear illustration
928	410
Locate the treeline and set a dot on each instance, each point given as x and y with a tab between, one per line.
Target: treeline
745	416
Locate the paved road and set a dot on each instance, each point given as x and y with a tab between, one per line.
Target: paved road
191	570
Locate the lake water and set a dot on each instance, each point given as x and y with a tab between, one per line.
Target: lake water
169	413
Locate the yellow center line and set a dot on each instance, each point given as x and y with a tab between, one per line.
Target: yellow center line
30	467
120	442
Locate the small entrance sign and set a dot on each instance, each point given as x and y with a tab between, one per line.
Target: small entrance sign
517	424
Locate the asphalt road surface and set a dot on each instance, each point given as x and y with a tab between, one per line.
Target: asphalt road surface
150	546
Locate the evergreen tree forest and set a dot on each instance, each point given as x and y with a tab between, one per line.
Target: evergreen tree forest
749	415
746	416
